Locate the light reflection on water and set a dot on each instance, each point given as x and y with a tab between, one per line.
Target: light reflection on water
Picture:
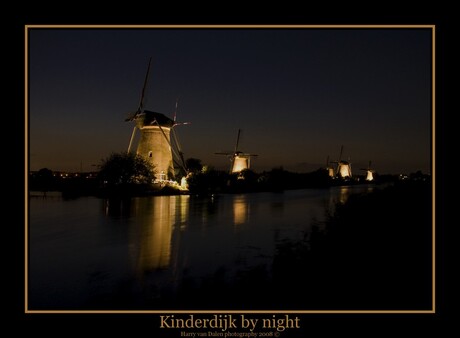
96	252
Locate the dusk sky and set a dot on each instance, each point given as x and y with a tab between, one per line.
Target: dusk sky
297	94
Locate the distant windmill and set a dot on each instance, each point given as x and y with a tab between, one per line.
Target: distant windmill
240	161
155	141
343	167
369	172
330	169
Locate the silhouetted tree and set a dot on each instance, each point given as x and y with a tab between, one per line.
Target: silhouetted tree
193	165
122	169
43	180
207	182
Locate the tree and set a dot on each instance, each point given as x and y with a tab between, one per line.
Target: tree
124	169
193	165
207	182
43	180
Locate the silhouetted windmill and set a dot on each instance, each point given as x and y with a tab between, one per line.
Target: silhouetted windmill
343	167
240	161
369	172
155	140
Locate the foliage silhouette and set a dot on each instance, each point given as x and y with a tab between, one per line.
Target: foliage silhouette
125	172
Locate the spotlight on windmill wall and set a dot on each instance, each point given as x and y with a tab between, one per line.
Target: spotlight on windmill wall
369	172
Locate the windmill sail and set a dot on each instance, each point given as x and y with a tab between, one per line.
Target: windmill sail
141	102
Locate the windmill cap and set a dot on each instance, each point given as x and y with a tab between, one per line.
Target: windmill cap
149	117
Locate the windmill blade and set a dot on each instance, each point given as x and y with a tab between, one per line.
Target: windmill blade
168	141
237	140
132	138
175	116
139	110
341	152
228	153
175	111
141	102
131	116
179	149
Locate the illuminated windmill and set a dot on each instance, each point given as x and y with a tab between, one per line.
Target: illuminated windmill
155	138
369	172
343	167
330	169
240	161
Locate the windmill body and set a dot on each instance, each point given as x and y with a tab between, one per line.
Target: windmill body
344	169
240	162
330	169
369	175
155	142
369	172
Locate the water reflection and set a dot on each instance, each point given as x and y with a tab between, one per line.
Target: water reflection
162	214
156	232
344	193
181	217
151	222
150	250
117	207
340	195
241	209
204	207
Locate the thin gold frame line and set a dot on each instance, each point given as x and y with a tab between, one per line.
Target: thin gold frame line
433	27
433	170
234	311
231	26
26	169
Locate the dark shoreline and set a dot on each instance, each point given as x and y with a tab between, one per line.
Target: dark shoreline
210	183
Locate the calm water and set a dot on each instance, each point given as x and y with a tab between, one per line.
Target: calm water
96	253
